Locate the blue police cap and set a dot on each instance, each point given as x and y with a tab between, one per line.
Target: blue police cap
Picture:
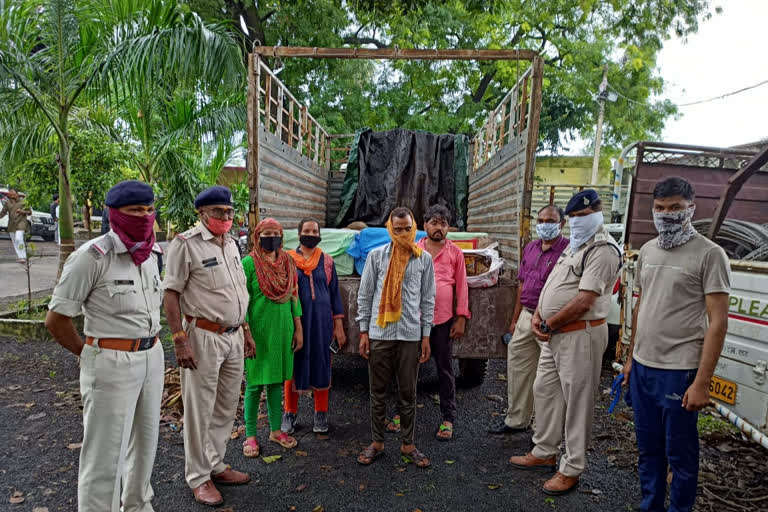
214	195
130	192
581	200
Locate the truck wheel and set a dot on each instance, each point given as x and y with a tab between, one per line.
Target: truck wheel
49	238
472	372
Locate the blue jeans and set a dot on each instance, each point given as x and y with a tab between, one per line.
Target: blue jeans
666	435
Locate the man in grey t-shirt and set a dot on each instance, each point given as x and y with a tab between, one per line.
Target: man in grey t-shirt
680	320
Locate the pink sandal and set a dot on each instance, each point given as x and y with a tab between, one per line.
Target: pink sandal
284	440
251	448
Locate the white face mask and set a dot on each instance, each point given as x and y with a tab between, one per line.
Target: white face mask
584	228
548	230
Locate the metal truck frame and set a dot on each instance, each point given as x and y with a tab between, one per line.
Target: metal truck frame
289	165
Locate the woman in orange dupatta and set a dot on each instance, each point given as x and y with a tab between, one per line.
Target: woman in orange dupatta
321	323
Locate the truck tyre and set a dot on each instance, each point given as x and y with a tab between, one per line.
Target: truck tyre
49	238
472	372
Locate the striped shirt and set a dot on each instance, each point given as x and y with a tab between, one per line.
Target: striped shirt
418	296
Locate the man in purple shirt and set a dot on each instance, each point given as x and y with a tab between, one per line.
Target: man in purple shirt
539	258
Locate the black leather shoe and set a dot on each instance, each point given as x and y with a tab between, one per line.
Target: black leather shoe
503	428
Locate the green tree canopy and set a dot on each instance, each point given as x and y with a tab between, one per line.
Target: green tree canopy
576	39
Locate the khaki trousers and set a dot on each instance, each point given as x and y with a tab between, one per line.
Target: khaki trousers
210	395
522	358
121	394
567	380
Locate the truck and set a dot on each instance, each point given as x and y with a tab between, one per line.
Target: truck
741	376
293	173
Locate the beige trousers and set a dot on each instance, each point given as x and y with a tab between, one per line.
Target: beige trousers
121	394
567	380
522	357
210	394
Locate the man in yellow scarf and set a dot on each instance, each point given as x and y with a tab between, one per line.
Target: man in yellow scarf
395	310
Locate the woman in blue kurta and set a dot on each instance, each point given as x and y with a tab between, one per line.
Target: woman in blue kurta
321	321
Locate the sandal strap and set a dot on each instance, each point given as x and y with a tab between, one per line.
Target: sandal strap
445	428
369	452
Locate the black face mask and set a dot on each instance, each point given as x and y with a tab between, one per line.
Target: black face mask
309	241
270	243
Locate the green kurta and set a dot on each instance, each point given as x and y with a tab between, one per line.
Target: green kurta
272	330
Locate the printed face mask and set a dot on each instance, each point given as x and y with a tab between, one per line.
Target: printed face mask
271	243
584	228
675	228
548	230
309	241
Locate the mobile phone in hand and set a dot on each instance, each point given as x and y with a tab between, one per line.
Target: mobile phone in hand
335	346
506	338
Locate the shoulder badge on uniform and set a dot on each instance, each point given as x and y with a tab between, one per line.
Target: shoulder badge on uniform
188	233
101	246
156	248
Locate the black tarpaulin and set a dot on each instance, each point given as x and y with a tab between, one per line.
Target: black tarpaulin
404	168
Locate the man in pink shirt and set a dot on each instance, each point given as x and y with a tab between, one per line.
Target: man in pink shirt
450	273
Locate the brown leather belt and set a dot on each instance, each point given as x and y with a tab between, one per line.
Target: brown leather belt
211	326
579	325
135	345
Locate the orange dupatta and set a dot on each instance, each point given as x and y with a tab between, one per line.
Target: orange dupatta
307	265
403	246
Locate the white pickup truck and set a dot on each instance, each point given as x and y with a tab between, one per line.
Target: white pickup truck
741	377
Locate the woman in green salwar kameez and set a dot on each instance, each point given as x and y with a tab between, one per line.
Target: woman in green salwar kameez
274	316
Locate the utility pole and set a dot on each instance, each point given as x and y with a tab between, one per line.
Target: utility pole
601	97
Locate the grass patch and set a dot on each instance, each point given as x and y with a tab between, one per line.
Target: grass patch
709	425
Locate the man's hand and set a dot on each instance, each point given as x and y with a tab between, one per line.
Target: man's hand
535	326
339	334
249	350
512	327
184	356
696	397
298	340
459	325
626	371
365	345
426	350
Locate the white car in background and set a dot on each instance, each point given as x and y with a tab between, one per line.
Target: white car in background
40	223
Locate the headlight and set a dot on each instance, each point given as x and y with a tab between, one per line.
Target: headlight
37	220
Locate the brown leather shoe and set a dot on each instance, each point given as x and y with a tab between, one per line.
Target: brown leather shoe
208	494
529	461
560	484
231	477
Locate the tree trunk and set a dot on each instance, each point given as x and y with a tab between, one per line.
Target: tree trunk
66	222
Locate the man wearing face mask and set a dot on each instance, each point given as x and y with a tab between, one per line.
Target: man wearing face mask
539	258
322	315
570	323
205	302
680	319
115	281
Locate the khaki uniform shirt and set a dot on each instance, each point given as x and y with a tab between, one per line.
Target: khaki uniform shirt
209	277
672	319
598	274
17	215
120	299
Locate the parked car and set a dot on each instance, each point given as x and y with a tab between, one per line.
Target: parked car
40	223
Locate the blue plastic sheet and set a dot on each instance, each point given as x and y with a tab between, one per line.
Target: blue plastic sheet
369	239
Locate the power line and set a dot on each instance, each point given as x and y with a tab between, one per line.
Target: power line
725	95
695	102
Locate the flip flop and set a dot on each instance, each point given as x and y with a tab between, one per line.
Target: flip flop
284	440
447	432
368	455
418	458
394	425
251	448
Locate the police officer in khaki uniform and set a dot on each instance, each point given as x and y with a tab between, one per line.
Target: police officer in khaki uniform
206	300
115	281
570	324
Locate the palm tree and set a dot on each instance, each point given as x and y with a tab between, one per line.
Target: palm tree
56	53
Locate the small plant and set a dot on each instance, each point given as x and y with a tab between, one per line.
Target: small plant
550	502
713	425
31	252
52	373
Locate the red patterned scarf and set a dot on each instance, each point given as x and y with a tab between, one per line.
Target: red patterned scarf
277	279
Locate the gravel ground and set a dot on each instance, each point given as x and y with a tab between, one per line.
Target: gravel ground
40	421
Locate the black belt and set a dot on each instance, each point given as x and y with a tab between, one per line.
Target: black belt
531	311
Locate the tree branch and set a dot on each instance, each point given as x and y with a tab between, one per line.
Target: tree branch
477	97
364	40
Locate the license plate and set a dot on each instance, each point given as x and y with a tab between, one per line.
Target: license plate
723	390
